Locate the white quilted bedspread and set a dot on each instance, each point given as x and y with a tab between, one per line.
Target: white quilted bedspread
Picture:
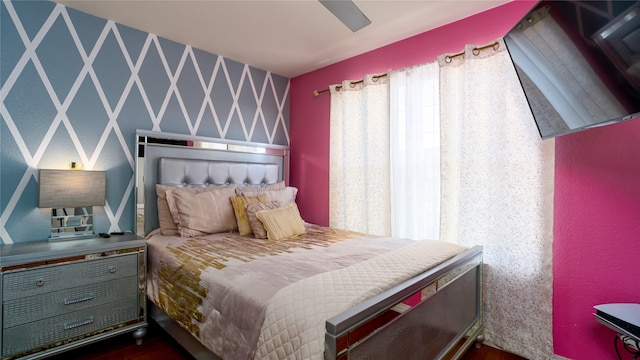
294	325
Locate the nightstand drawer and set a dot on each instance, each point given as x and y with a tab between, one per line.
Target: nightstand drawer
37	334
25	310
42	280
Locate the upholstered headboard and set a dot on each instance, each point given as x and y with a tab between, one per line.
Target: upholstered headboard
201	173
180	160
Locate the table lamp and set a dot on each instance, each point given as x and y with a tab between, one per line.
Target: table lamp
71	194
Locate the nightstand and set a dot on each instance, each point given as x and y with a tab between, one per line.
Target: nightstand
61	295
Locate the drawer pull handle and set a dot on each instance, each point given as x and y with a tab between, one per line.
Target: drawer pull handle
40	283
78	324
79	299
112	270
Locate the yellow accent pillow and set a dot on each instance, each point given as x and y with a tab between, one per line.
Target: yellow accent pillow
282	223
239	204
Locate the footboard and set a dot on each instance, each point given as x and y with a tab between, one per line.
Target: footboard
435	315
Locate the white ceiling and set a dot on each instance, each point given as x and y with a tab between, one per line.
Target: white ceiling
289	37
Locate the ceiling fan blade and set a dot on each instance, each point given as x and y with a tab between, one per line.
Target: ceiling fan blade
347	12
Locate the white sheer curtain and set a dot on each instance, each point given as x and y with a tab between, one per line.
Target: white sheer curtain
497	191
359	197
415	152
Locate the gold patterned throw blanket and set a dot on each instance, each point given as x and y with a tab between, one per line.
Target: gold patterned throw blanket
232	292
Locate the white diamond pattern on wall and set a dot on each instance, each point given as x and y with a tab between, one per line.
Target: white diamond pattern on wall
74	87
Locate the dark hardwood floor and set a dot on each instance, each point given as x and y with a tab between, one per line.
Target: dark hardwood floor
489	353
158	345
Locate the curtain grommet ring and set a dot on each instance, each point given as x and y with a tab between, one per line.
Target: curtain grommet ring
447	59
475	51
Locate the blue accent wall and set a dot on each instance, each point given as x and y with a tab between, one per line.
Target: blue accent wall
75	87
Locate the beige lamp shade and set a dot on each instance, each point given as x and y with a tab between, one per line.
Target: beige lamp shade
71	188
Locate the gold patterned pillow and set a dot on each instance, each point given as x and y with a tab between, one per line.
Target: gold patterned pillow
258	230
239	203
282	223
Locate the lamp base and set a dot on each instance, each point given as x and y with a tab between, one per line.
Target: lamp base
71	237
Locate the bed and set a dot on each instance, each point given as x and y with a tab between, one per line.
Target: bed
321	293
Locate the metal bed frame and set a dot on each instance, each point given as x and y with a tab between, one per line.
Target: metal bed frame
434	315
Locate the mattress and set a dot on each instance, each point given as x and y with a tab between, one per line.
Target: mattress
246	298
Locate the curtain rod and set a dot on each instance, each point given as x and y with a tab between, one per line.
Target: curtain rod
475	51
375	77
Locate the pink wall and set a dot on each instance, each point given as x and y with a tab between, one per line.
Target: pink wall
597	194
596	234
